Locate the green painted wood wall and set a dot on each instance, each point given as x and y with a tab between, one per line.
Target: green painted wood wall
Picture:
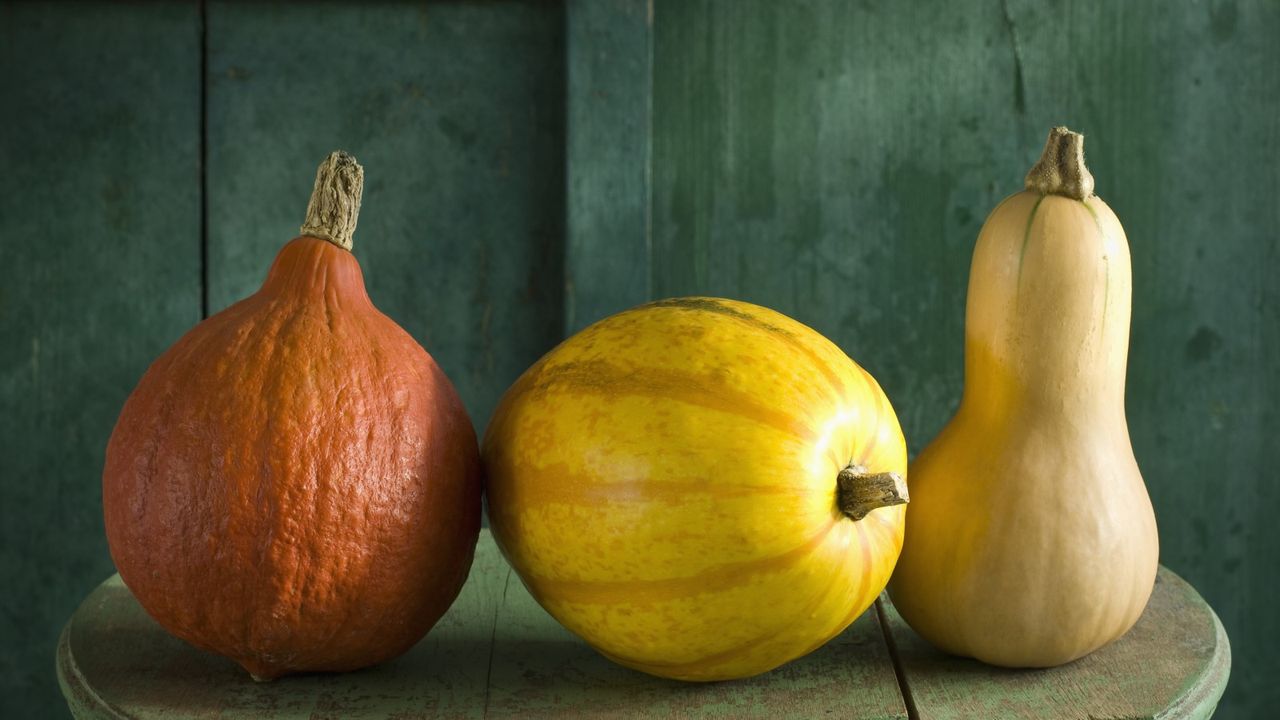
533	166
835	160
115	238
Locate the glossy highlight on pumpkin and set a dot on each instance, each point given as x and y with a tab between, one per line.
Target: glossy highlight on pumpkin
665	484
294	484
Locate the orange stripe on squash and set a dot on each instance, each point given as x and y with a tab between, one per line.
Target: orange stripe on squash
712	660
714	305
563	490
602	378
719	579
585	458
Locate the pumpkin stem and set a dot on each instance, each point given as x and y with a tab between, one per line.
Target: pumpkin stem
858	492
335	202
1061	169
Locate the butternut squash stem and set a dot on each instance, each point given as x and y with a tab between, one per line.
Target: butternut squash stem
1061	169
335	201
858	492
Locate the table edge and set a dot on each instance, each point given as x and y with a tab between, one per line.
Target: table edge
1197	700
81	700
1200	700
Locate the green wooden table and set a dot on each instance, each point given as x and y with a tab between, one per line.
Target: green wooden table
497	654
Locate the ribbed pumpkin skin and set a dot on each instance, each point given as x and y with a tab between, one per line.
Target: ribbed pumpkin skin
295	483
664	483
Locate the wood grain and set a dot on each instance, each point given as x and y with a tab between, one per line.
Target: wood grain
113	658
99	273
607	241
1173	664
498	654
832	159
835	160
456	112
540	670
495	654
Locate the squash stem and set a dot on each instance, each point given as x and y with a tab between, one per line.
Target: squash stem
858	492
335	201
1061	169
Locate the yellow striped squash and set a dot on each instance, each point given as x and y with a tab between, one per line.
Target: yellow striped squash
677	483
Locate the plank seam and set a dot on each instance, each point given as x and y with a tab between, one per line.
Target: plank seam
204	159
493	643
648	152
904	687
1019	81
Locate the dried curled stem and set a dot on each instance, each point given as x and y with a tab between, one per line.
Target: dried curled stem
335	202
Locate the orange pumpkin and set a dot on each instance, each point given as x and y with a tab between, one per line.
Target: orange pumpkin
295	483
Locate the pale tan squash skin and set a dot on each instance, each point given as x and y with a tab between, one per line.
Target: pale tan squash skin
1030	539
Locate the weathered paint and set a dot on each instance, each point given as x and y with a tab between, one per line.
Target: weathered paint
456	112
494	654
497	654
1174	663
834	160
607	239
869	142
99	273
113	655
540	670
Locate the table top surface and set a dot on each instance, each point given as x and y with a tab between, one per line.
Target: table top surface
496	653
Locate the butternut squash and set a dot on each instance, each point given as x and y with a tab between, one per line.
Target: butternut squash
1030	537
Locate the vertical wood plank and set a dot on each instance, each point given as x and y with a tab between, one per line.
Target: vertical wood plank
803	160
835	160
608	152
456	112
1178	104
99	234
